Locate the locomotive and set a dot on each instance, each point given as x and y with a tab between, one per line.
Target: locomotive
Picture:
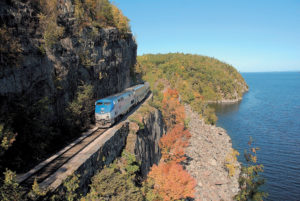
108	110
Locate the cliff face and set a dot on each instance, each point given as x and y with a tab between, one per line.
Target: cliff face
51	78
40	74
143	139
146	147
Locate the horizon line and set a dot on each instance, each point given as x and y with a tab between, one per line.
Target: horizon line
276	71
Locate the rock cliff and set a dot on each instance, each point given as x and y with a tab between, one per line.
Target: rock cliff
38	86
144	136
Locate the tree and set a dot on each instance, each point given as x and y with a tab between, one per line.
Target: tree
117	181
120	21
172	110
81	107
173	144
196	78
10	189
171	182
250	179
71	184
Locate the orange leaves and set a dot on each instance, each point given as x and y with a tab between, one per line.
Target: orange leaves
172	110
173	144
172	182
171	94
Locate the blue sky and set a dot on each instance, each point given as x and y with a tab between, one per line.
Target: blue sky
256	35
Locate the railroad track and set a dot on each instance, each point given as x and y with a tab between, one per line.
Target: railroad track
48	167
43	170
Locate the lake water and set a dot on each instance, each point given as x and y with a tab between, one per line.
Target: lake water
270	113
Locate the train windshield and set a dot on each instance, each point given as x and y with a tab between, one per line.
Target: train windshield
104	107
105	103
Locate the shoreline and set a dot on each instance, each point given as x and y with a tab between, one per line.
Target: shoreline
206	159
228	101
225	101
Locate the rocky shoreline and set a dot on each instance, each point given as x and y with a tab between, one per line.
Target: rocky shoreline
225	101
206	159
230	101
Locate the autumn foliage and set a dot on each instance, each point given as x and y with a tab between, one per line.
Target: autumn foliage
169	179
173	144
172	110
172	182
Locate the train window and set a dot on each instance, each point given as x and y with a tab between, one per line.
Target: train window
99	103
107	103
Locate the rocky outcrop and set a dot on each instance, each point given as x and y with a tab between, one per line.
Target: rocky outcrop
146	148
143	139
206	160
51	77
58	72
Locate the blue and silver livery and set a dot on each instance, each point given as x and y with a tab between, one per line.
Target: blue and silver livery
108	110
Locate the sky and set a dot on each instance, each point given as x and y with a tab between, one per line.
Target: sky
253	36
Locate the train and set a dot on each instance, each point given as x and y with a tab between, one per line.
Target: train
110	109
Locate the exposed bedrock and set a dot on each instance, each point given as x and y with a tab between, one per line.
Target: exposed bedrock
51	77
146	140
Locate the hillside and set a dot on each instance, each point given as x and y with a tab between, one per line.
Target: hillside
199	79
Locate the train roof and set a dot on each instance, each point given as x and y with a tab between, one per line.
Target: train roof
115	96
136	87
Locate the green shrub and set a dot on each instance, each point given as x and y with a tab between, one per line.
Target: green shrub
135	119
48	22
186	122
7	138
10	189
210	116
120	21
100	13
81	108
117	181
71	184
36	192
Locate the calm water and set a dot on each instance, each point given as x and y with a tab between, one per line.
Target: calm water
270	113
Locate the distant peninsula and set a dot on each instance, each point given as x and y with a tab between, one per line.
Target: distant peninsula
199	79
